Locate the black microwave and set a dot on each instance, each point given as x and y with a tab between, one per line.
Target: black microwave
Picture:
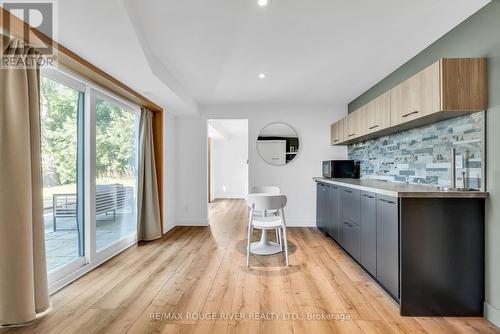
341	169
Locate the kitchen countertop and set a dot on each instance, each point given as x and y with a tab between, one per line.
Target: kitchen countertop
401	189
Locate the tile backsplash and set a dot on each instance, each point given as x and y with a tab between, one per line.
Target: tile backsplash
423	155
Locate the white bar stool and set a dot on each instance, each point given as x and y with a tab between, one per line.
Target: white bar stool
264	240
266	202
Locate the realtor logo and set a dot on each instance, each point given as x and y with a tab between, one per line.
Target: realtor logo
40	15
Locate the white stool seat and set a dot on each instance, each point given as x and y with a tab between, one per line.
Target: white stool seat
262	202
267	223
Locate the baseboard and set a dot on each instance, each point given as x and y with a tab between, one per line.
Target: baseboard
492	314
191	222
229	197
167	228
204	222
300	223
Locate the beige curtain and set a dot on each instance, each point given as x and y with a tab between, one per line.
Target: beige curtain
148	212
23	274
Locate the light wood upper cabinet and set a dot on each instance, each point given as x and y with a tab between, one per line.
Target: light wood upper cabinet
337	132
449	85
446	89
354	124
416	97
377	114
463	84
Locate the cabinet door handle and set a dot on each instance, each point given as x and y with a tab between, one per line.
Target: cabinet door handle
368	196
410	113
352	134
348	224
373	127
336	140
348	191
386	201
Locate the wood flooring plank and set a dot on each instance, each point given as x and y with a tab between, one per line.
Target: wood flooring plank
202	271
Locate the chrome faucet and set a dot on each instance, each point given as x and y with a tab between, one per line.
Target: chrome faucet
453	168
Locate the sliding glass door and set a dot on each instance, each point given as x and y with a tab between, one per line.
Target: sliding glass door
62	166
89	152
116	171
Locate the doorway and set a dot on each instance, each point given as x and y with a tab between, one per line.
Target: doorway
227	163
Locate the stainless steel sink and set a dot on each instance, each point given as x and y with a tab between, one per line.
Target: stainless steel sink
456	189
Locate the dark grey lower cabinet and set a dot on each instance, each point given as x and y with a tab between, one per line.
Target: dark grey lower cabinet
328	209
350	204
388	244
321	206
334	210
427	253
368	257
350	238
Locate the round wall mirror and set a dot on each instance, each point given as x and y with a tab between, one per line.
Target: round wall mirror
278	144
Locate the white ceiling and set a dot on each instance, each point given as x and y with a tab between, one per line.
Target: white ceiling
182	54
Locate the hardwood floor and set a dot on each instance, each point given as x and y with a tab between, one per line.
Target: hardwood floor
182	282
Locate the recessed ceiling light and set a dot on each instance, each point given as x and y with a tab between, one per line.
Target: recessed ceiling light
262	75
263	3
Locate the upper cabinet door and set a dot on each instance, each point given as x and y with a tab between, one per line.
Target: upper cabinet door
463	84
369	116
354	124
405	104
428	90
377	114
416	97
337	132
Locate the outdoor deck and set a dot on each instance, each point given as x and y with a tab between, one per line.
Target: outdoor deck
62	245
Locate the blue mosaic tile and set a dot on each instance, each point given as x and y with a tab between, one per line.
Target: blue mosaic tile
422	155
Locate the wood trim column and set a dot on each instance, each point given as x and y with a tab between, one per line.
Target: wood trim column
158	147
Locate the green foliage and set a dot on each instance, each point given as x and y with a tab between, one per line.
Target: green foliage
115	140
59	132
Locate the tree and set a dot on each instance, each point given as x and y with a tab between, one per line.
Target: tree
115	141
115	135
59	131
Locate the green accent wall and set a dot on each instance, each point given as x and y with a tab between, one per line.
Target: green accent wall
478	36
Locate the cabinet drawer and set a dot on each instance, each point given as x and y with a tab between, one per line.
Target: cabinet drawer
350	200
350	238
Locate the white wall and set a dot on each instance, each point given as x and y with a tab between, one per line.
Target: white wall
191	194
295	179
229	167
169	169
